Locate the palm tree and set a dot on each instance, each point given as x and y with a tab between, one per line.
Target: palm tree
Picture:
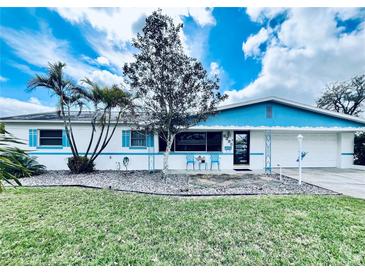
68	93
106	102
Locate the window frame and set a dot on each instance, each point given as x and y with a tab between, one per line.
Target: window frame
131	139
53	138
174	145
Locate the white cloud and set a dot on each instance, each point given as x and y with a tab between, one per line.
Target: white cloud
117	26
10	107
122	24
252	45
24	68
40	48
3	79
215	69
103	60
104	77
307	51
261	14
117	57
34	100
203	16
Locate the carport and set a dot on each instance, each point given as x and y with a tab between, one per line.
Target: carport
349	182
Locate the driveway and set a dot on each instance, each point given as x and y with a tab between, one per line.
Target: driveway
350	182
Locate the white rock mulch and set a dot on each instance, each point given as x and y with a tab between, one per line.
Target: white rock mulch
177	184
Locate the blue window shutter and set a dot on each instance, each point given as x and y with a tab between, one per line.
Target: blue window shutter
126	135
30	138
150	140
33	137
65	142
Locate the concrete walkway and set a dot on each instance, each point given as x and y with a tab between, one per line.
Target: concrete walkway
349	182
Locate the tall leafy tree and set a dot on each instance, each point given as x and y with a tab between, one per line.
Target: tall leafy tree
359	149
174	90
346	97
107	105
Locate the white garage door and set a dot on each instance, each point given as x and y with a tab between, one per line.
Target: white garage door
321	148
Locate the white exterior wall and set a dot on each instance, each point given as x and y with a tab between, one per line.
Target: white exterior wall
345	149
257	150
324	150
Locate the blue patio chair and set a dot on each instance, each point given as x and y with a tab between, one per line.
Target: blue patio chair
214	159
190	160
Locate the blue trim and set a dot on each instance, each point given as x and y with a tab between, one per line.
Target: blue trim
257	154
137	147
198	153
49	147
133	153
347	153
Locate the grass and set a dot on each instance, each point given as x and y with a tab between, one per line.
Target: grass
73	226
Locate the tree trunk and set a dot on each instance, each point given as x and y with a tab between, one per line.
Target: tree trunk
170	139
107	138
72	145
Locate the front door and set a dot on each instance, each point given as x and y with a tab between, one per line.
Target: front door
241	151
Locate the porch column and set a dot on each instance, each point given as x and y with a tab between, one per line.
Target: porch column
268	151
345	149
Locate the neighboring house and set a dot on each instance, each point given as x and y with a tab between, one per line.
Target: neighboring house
252	135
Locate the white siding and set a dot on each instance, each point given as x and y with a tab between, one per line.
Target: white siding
324	150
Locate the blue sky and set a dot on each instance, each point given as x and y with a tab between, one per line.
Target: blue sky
290	53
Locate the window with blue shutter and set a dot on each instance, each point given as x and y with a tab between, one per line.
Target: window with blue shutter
33	137
126	135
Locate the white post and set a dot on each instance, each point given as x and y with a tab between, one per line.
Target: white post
281	176
300	141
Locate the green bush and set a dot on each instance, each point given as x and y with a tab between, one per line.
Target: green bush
80	165
2	128
359	149
30	163
9	162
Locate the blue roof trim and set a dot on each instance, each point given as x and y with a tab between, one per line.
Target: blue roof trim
282	116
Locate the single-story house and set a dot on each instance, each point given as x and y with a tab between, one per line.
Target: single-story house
256	135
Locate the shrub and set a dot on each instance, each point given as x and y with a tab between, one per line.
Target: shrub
30	164
359	149
80	164
8	160
2	128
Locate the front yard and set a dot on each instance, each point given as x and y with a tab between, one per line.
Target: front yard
178	183
62	226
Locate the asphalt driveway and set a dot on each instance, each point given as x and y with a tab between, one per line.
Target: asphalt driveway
350	182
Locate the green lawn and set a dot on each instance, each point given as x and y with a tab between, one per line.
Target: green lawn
62	226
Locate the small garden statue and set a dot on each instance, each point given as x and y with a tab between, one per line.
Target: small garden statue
126	162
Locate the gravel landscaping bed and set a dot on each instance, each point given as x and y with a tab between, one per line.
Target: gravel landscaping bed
177	184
